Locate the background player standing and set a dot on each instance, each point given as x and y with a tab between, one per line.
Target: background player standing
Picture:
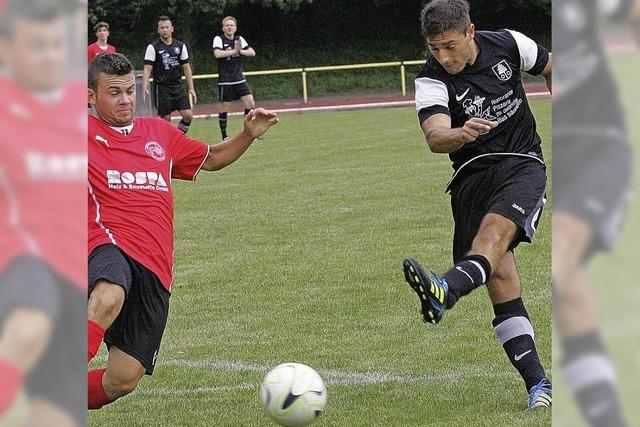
231	82
165	58
100	46
472	106
131	164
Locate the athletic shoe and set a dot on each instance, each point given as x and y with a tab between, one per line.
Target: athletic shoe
540	395
431	291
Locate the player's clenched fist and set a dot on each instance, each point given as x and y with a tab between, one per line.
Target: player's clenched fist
475	127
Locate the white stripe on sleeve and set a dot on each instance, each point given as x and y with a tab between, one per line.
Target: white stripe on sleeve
184	55
528	50
150	54
217	42
430	92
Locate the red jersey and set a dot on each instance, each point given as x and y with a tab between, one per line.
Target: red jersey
130	199
95	49
43	171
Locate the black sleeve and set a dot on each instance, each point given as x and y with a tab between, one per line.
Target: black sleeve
541	61
427	112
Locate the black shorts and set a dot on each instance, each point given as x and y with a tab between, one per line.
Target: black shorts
170	98
59	376
513	188
228	93
138	328
593	183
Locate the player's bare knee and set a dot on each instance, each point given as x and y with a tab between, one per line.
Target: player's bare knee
188	116
494	238
105	302
490	242
26	330
119	387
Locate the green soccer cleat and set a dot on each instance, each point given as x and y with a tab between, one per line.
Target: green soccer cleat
432	292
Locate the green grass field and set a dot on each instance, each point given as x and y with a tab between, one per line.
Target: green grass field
295	253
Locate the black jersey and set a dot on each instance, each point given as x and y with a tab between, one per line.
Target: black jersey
229	68
491	89
167	60
585	98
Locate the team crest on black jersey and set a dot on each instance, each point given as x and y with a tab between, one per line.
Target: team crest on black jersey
176	50
502	70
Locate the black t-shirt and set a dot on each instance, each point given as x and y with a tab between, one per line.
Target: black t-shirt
167	60
491	89
229	68
585	103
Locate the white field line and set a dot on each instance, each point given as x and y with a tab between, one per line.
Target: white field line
331	377
345	107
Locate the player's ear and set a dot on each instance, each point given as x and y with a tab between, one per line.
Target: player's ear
92	96
471	30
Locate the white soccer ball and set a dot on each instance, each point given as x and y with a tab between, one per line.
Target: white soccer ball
293	394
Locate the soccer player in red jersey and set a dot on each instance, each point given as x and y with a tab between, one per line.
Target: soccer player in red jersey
131	164
100	46
42	233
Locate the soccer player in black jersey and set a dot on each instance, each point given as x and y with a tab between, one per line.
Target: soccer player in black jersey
592	181
472	105
228	49
167	58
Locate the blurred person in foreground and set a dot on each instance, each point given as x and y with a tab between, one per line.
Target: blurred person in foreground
42	234
131	165
472	106
592	184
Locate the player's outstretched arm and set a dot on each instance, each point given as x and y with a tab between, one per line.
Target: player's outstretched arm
441	138
256	124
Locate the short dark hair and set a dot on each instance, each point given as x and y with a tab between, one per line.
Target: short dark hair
100	25
41	11
114	64
163	18
440	16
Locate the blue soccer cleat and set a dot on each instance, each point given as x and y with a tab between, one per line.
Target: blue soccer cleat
432	292
540	395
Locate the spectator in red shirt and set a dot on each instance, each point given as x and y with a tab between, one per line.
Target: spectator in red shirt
101	45
130	221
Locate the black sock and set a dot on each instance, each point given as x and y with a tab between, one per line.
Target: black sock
222	119
471	272
184	126
247	111
515	332
591	378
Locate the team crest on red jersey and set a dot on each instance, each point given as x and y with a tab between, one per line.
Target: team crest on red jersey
154	150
